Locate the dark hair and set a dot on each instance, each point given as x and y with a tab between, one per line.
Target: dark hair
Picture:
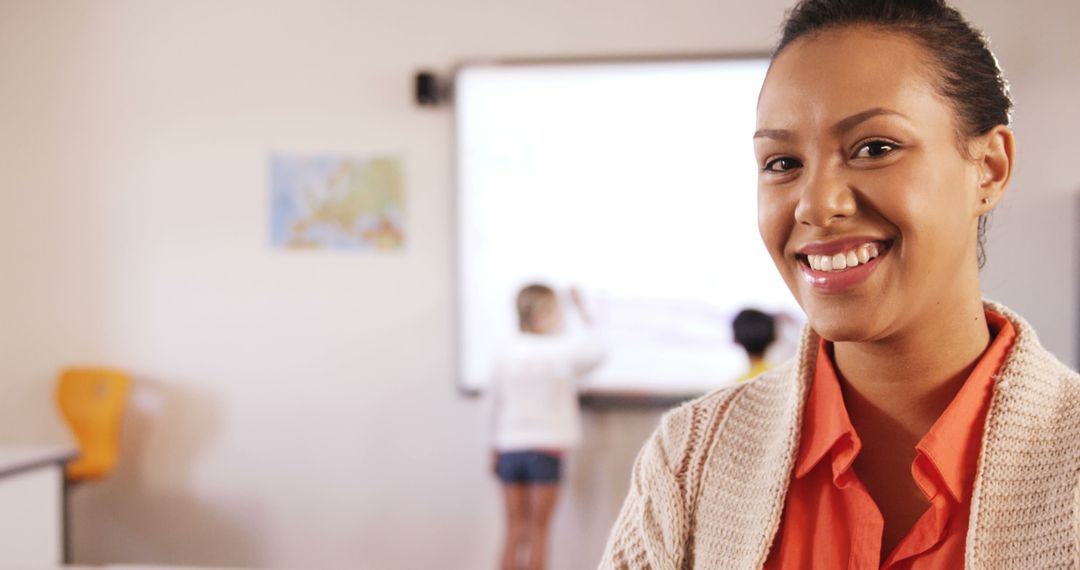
754	330
968	73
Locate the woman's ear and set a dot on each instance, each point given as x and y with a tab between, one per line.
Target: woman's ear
995	155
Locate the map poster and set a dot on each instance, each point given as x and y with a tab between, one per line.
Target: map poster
336	202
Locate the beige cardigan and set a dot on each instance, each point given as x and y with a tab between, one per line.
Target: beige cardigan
708	488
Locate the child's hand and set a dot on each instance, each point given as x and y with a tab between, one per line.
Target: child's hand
575	296
579	303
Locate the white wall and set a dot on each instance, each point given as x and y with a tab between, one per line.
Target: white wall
298	410
1034	246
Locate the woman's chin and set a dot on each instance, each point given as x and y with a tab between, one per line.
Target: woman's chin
841	327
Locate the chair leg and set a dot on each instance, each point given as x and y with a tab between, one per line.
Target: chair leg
66	520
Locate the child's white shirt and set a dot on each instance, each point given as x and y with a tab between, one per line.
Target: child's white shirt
534	390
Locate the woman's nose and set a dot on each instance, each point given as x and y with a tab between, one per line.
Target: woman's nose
824	199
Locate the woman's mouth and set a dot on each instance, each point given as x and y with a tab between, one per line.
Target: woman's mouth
845	259
840	265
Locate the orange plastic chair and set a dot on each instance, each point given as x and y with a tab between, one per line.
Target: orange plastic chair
92	401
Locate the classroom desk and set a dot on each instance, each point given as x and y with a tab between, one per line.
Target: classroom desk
32	503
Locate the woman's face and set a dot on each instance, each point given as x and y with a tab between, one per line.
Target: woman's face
866	202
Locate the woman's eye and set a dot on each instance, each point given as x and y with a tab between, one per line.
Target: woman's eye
874	149
782	164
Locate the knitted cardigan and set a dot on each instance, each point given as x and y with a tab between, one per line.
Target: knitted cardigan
708	488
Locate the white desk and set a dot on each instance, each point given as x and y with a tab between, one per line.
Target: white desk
32	503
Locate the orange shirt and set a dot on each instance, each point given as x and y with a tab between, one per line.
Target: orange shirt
830	520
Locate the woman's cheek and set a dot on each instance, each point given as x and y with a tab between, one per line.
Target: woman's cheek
773	224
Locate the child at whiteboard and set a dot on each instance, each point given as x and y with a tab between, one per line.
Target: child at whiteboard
536	417
754	330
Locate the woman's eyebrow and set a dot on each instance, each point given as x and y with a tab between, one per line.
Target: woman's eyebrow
778	134
846	124
841	126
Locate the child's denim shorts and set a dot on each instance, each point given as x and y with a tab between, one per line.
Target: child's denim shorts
524	467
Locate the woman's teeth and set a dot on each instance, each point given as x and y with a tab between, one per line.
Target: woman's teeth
844	260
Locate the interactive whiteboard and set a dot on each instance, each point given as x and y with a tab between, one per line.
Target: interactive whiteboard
634	182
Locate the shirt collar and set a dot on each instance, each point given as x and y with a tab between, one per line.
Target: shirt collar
826	424
954	441
952	445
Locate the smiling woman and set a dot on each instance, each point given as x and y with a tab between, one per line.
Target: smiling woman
920	426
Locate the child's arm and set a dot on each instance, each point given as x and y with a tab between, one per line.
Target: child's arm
590	351
491	399
579	306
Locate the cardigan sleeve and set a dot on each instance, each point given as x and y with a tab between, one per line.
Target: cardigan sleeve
650	531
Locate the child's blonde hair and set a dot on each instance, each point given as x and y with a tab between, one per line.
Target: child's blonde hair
532	301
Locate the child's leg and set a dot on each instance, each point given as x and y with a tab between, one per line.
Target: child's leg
541	504
517	524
